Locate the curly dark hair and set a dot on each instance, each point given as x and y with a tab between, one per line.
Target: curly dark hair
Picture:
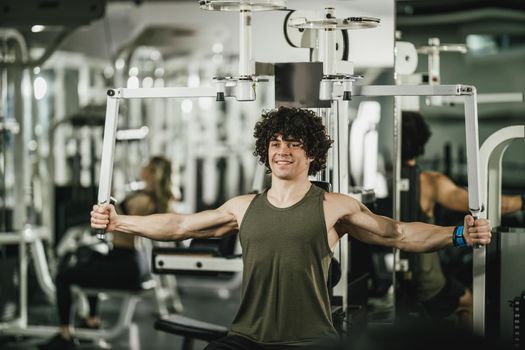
414	137
293	123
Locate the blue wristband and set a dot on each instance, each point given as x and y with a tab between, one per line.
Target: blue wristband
458	240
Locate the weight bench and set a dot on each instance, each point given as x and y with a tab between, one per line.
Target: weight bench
214	264
204	258
130	298
190	329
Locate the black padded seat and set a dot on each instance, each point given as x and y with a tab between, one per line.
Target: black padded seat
190	328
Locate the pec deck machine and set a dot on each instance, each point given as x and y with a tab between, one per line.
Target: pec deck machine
336	85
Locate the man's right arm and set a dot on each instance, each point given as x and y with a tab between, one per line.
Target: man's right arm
168	227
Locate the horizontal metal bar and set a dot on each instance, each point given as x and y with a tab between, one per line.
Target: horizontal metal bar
10	238
26	235
488	98
412	90
132	134
502	97
167	92
194	263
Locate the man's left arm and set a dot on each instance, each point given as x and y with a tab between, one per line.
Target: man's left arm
419	237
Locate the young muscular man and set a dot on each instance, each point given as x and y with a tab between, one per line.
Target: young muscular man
287	235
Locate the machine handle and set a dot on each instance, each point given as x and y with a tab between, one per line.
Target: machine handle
475	215
101	233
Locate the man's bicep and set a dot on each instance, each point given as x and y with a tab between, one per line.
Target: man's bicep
364	236
210	223
363	219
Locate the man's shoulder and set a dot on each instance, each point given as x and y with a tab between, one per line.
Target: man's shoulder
240	201
337	195
237	206
245	197
339	205
338	198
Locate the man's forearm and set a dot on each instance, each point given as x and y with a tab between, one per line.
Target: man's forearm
160	227
415	237
419	237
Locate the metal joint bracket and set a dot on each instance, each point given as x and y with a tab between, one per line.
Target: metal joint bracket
114	93
477	211
466	90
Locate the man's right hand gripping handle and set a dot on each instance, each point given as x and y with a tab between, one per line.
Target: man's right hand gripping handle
103	219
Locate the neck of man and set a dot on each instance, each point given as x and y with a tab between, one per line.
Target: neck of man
285	192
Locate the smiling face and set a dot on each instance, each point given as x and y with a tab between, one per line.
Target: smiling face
304	125
287	158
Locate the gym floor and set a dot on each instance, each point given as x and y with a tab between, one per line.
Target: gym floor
201	304
204	304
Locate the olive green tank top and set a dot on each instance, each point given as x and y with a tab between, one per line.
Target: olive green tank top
284	297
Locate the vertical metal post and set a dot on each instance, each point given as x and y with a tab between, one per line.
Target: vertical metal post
478	286
24	177
245	88
472	143
3	148
396	189
324	113
20	151
433	62
108	148
23	263
396	156
475	205
27	133
329	55
190	191
245	43
344	166
491	153
341	252
22	115
341	130
334	124
329	46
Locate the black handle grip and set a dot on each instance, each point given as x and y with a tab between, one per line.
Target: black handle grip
101	234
